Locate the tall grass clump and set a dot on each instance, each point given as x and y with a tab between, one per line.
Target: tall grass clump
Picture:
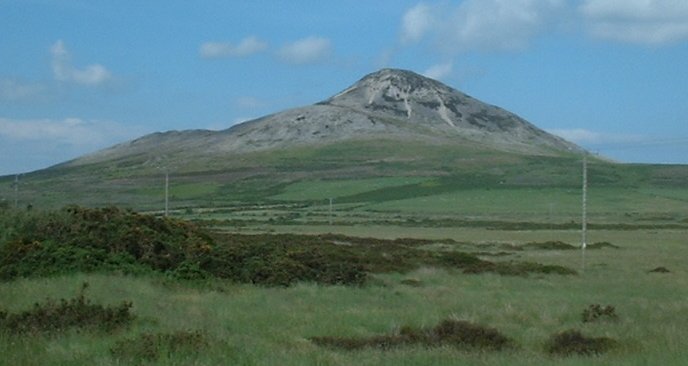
152	346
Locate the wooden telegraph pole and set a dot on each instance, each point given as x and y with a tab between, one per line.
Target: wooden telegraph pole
584	229
16	191
167	192
584	225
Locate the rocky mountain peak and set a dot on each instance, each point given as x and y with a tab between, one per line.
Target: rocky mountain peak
387	104
394	91
399	79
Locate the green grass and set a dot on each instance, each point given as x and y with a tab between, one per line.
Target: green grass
323	190
251	325
485	200
182	191
541	202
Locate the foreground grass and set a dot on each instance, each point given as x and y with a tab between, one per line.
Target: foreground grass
247	325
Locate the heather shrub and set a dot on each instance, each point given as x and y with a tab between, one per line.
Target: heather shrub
456	333
56	316
572	342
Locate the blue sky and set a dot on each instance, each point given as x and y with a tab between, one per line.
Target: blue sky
80	75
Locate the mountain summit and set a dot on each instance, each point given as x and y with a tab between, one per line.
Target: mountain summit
425	102
388	104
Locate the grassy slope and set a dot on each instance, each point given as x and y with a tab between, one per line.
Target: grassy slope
462	179
270	326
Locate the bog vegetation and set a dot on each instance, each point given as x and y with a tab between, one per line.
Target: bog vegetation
79	239
113	286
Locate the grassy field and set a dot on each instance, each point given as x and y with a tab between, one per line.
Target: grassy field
490	205
249	325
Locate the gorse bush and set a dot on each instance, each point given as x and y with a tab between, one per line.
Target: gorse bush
87	240
79	239
55	316
282	260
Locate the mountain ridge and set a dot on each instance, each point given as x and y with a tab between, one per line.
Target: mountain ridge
389	103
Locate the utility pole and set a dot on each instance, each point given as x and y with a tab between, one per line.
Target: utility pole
167	191
584	229
330	211
16	191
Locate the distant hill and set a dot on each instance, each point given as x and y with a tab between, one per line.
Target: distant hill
390	124
389	104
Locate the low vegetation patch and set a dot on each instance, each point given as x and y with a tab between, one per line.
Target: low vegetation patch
78	239
110	239
602	245
659	270
550	245
572	342
457	333
56	316
517	268
597	312
413	282
151	346
560	245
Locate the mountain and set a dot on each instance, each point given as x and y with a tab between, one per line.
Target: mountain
391	124
388	104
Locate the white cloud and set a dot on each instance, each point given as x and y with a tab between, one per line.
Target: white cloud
415	23
70	131
14	90
652	22
306	51
439	71
63	70
246	47
480	24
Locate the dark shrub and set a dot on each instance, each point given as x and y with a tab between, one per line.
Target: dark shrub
55	316
456	333
550	245
86	240
573	342
602	244
598	312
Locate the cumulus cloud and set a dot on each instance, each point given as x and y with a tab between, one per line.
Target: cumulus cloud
653	22
306	51
416	22
485	25
439	71
64	71
246	47
12	90
74	132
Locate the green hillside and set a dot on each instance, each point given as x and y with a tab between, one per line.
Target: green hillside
371	181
